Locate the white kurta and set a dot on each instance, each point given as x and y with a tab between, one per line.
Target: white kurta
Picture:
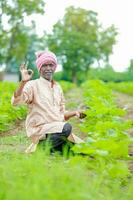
46	107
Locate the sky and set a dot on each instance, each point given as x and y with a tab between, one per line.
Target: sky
117	12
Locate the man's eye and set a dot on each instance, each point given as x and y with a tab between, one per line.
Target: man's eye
43	66
46	65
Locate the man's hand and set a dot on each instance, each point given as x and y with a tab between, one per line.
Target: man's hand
25	74
80	114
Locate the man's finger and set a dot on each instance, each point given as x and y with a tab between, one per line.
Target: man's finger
26	64
30	71
22	67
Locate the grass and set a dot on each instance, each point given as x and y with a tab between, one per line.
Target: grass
40	176
54	177
43	176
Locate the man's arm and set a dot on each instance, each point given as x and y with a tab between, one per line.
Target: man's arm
68	115
18	92
78	113
26	76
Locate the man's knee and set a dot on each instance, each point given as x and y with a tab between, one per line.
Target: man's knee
67	129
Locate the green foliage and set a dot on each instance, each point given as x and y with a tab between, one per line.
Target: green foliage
15	38
55	177
8	113
18	139
79	40
66	86
40	176
100	174
107	140
124	87
107	74
35	44
130	70
58	76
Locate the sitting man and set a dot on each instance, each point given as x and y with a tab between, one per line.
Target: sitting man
46	104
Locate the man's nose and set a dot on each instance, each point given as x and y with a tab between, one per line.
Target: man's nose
48	67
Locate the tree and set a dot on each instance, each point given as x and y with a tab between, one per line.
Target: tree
79	40
35	44
14	39
129	71
105	43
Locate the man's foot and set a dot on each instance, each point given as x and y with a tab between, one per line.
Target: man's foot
75	139
31	148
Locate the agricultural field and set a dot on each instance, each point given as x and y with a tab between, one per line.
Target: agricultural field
9	114
123	87
100	169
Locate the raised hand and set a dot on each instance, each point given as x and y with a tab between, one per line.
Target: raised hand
26	74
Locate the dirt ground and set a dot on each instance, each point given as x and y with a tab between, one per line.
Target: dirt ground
126	102
16	128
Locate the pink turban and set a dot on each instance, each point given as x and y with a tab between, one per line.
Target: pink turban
43	57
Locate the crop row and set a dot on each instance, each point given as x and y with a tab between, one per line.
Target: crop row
124	87
108	140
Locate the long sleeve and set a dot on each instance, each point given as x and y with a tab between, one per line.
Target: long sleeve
26	96
62	103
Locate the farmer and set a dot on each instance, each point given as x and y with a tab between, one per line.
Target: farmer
46	105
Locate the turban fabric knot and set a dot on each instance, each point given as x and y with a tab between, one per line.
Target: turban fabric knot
43	57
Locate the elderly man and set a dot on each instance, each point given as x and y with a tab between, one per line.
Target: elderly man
46	104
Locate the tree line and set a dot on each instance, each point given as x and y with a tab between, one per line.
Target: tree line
78	39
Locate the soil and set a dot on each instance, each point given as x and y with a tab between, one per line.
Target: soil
125	101
15	129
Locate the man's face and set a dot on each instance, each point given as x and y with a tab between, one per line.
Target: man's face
47	70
